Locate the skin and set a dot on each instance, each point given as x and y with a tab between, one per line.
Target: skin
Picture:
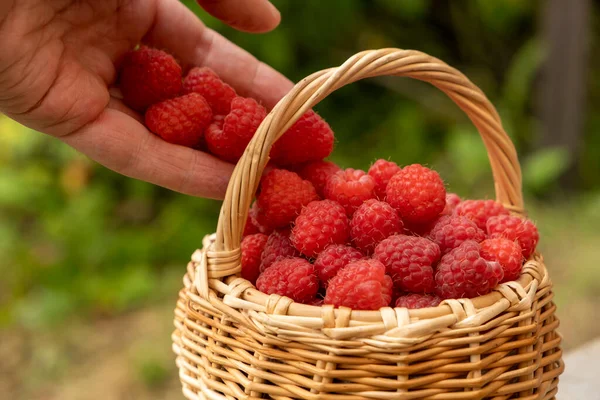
58	65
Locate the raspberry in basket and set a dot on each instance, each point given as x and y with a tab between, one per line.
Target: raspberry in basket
409	260
318	173
278	246
181	120
205	81
507	253
382	171
479	211
416	300
320	224
464	273
350	188
291	277
452	230
452	200
418	193
514	228
361	285
309	139
149	76
228	137
252	248
373	221
334	258
282	196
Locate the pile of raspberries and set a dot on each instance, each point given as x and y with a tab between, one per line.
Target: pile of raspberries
320	234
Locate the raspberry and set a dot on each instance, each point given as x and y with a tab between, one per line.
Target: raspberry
451	231
409	260
149	76
205	81
350	188
452	200
415	300
422	230
372	222
361	285
181	120
382	171
318	173
334	258
228	138
278	246
252	248
480	210
256	220
507	253
463	272
418	193
309	139
282	196
291	277
320	224
521	230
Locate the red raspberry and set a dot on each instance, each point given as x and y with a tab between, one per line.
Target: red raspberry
409	260
452	230
282	196
228	138
255	221
320	224
278	246
149	76
361	285
205	81
415	300
309	139
480	210
291	277
334	258
452	200
463	272
521	230
318	173
372	222
252	248
181	120
507	253
350	188
422	230
418	193
382	171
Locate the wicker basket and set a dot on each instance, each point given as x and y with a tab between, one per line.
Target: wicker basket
234	342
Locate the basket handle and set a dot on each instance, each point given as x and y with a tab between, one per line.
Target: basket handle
223	259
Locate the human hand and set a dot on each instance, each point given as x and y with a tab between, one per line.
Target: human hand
57	68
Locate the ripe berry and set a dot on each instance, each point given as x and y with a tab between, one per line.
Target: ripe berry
278	246
181	120
452	200
361	285
479	211
382	171
227	138
350	188
507	253
282	196
291	277
451	231
409	260
149	76
416	300
372	222
252	248
320	224
318	172
309	139
256	221
205	81
334	258
464	273
418	193
516	229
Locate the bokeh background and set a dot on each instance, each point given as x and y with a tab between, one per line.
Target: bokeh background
91	262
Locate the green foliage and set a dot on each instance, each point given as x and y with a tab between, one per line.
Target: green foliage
542	169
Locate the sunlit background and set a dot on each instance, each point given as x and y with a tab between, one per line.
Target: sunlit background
91	262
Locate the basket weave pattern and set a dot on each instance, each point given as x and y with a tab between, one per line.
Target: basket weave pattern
234	342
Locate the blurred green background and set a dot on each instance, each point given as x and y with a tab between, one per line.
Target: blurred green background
91	261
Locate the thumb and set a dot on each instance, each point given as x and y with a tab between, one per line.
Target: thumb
255	16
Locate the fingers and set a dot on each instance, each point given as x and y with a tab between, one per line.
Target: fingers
179	31
124	145
245	15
